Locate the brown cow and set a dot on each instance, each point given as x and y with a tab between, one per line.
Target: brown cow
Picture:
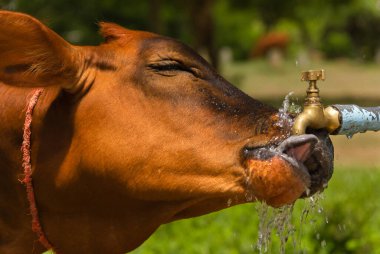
271	41
131	134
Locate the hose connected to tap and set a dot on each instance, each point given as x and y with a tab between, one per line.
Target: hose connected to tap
354	119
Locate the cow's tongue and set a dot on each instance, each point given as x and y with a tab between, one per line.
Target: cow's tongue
297	149
300	153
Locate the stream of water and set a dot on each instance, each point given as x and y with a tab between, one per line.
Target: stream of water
279	223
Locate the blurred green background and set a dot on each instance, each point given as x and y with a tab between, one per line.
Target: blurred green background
262	46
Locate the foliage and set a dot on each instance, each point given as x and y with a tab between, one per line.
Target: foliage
337	27
241	26
363	27
337	44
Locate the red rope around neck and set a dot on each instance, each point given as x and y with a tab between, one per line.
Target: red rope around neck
27	166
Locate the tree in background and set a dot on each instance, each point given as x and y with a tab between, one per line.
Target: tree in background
339	28
191	21
203	28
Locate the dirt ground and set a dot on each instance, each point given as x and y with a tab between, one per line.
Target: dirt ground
346	82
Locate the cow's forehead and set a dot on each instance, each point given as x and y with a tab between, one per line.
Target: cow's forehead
146	46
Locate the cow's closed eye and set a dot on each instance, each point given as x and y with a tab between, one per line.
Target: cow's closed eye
171	68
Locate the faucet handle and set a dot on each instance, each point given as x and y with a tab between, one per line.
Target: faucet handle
313	75
312	97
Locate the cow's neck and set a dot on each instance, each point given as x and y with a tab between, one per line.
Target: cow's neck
15	219
119	228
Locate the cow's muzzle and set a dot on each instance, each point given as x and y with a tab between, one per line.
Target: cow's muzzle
297	167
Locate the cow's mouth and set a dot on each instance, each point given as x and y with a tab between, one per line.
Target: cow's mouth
312	156
305	160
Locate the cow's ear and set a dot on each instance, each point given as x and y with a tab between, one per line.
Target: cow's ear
111	31
33	55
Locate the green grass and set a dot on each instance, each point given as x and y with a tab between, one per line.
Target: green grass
351	205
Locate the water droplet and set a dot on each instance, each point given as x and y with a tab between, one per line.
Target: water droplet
284	119
323	244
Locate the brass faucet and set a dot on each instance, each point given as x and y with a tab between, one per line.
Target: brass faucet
314	115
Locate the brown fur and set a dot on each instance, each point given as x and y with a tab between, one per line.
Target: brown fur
118	147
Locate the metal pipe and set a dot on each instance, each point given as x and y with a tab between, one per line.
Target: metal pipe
354	119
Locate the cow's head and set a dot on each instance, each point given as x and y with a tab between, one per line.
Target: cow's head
144	125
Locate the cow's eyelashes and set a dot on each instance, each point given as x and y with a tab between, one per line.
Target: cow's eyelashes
170	67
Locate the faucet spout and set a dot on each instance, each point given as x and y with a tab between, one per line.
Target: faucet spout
311	117
316	117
